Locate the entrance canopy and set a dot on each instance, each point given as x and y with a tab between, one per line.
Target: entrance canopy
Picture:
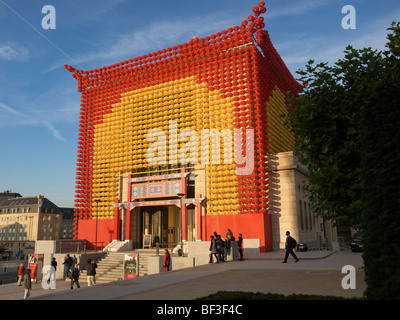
158	191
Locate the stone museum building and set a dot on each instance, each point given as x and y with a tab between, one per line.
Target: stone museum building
24	220
188	140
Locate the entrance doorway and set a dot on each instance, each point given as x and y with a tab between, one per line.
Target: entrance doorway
161	223
155	223
191	223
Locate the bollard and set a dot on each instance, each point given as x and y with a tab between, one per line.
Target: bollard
157	248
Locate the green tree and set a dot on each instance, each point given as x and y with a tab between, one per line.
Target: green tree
380	130
347	127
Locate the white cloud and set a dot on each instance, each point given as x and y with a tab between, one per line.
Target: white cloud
13	52
54	131
296	52
10	110
167	33
156	36
13	117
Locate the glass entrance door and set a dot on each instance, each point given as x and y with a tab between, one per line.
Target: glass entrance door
155	223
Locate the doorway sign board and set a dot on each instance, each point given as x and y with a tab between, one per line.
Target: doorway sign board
147	241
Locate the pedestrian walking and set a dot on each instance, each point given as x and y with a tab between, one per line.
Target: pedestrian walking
75	272
220	248
53	270
91	272
289	246
21	270
68	262
167	260
228	239
240	247
54	264
213	249
27	284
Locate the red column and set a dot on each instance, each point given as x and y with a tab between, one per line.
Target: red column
198	219
183	208
128	211
116	234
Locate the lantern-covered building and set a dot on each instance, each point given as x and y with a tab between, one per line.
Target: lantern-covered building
174	144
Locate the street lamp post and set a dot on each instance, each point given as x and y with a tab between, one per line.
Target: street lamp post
40	199
97	214
180	195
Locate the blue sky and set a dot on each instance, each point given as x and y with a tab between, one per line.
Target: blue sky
39	102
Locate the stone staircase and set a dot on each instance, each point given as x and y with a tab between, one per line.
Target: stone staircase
110	266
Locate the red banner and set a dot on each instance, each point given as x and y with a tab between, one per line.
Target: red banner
32	264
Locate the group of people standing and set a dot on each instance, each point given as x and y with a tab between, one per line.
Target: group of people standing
219	247
25	278
73	271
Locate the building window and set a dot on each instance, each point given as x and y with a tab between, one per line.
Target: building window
305	214
11	233
312	214
301	215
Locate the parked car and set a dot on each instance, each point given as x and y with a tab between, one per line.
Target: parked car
357	245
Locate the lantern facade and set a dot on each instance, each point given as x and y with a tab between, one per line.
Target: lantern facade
148	122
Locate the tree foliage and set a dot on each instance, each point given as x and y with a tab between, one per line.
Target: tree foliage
347	123
380	179
327	122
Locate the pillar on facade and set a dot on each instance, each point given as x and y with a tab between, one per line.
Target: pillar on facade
116	235
183	206
128	211
198	219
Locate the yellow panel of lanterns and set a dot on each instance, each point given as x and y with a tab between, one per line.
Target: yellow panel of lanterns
121	145
280	139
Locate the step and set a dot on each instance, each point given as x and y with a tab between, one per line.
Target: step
110	267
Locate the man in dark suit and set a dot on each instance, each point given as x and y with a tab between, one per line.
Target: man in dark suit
240	247
290	245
